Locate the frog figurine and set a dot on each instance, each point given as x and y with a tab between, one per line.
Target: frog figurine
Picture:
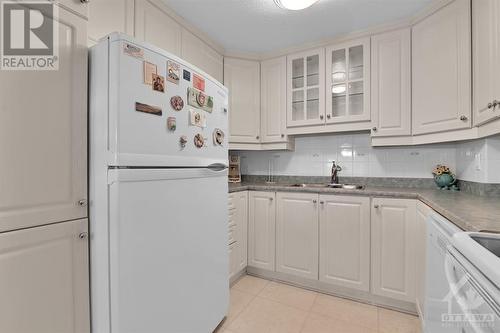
444	178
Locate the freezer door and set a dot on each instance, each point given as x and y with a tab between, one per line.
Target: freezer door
168	250
144	139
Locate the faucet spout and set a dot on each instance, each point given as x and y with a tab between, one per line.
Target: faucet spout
335	173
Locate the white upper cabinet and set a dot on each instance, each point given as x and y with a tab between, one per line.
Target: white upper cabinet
155	26
306	88
197	52
297	234
391	83
348	82
77	6
344	241
43	138
441	59
393	248
486	60
44	279
273	100
262	230
107	16
242	78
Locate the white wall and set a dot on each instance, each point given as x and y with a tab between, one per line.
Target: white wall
312	157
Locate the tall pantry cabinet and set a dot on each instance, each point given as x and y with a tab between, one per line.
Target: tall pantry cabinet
43	201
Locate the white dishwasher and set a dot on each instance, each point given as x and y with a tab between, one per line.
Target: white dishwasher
439	234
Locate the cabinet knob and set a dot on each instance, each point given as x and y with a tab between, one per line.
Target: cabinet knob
282	135
82	202
271	199
315	201
464	118
374	129
84	1
83	235
328	116
495	103
321	117
322	202
490	105
376	206
257	137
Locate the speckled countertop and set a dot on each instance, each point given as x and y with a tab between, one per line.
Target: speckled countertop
469	212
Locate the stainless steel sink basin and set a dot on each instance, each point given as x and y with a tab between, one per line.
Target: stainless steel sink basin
342	186
490	243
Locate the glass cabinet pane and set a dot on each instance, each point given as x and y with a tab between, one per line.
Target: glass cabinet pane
312	70
298	73
298	105
356	62
339	100
312	107
356	98
338	66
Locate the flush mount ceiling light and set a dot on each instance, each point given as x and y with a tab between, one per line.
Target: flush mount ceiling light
295	4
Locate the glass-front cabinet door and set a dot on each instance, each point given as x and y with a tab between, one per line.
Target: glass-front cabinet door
347	82
306	79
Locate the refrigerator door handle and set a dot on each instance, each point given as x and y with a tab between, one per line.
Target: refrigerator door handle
217	167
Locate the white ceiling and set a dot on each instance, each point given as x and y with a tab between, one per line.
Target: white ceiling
259	26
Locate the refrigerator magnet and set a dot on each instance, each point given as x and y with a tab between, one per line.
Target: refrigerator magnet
199	100
197	118
218	137
148	109
183	141
198	82
133	51
177	103
173	71
158	83
199	141
149	70
171	123
186	75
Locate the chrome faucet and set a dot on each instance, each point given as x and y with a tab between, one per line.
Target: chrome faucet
335	173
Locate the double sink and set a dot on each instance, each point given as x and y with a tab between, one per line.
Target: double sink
340	186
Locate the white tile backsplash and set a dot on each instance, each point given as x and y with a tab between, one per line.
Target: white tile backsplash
477	161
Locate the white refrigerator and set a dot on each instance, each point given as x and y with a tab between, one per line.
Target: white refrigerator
158	191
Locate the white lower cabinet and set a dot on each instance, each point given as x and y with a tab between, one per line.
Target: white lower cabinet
238	224
344	241
423	212
44	279
393	248
297	234
262	230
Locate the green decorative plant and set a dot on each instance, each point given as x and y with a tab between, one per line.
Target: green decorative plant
444	178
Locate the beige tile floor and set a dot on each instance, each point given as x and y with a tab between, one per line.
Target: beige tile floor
262	306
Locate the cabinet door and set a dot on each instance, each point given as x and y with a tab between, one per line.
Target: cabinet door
43	136
109	16
441	62
201	55
344	243
393	248
297	234
391	83
348	82
486	52
241	218
273	100
306	88
261	230
44	279
78	6
155	26
423	212
242	78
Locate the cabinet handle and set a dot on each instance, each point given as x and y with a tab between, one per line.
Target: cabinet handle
82	202
374	129
83	235
321	117
328	116
376	206
464	118
270	199
84	1
322	202
315	201
490	105
495	103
